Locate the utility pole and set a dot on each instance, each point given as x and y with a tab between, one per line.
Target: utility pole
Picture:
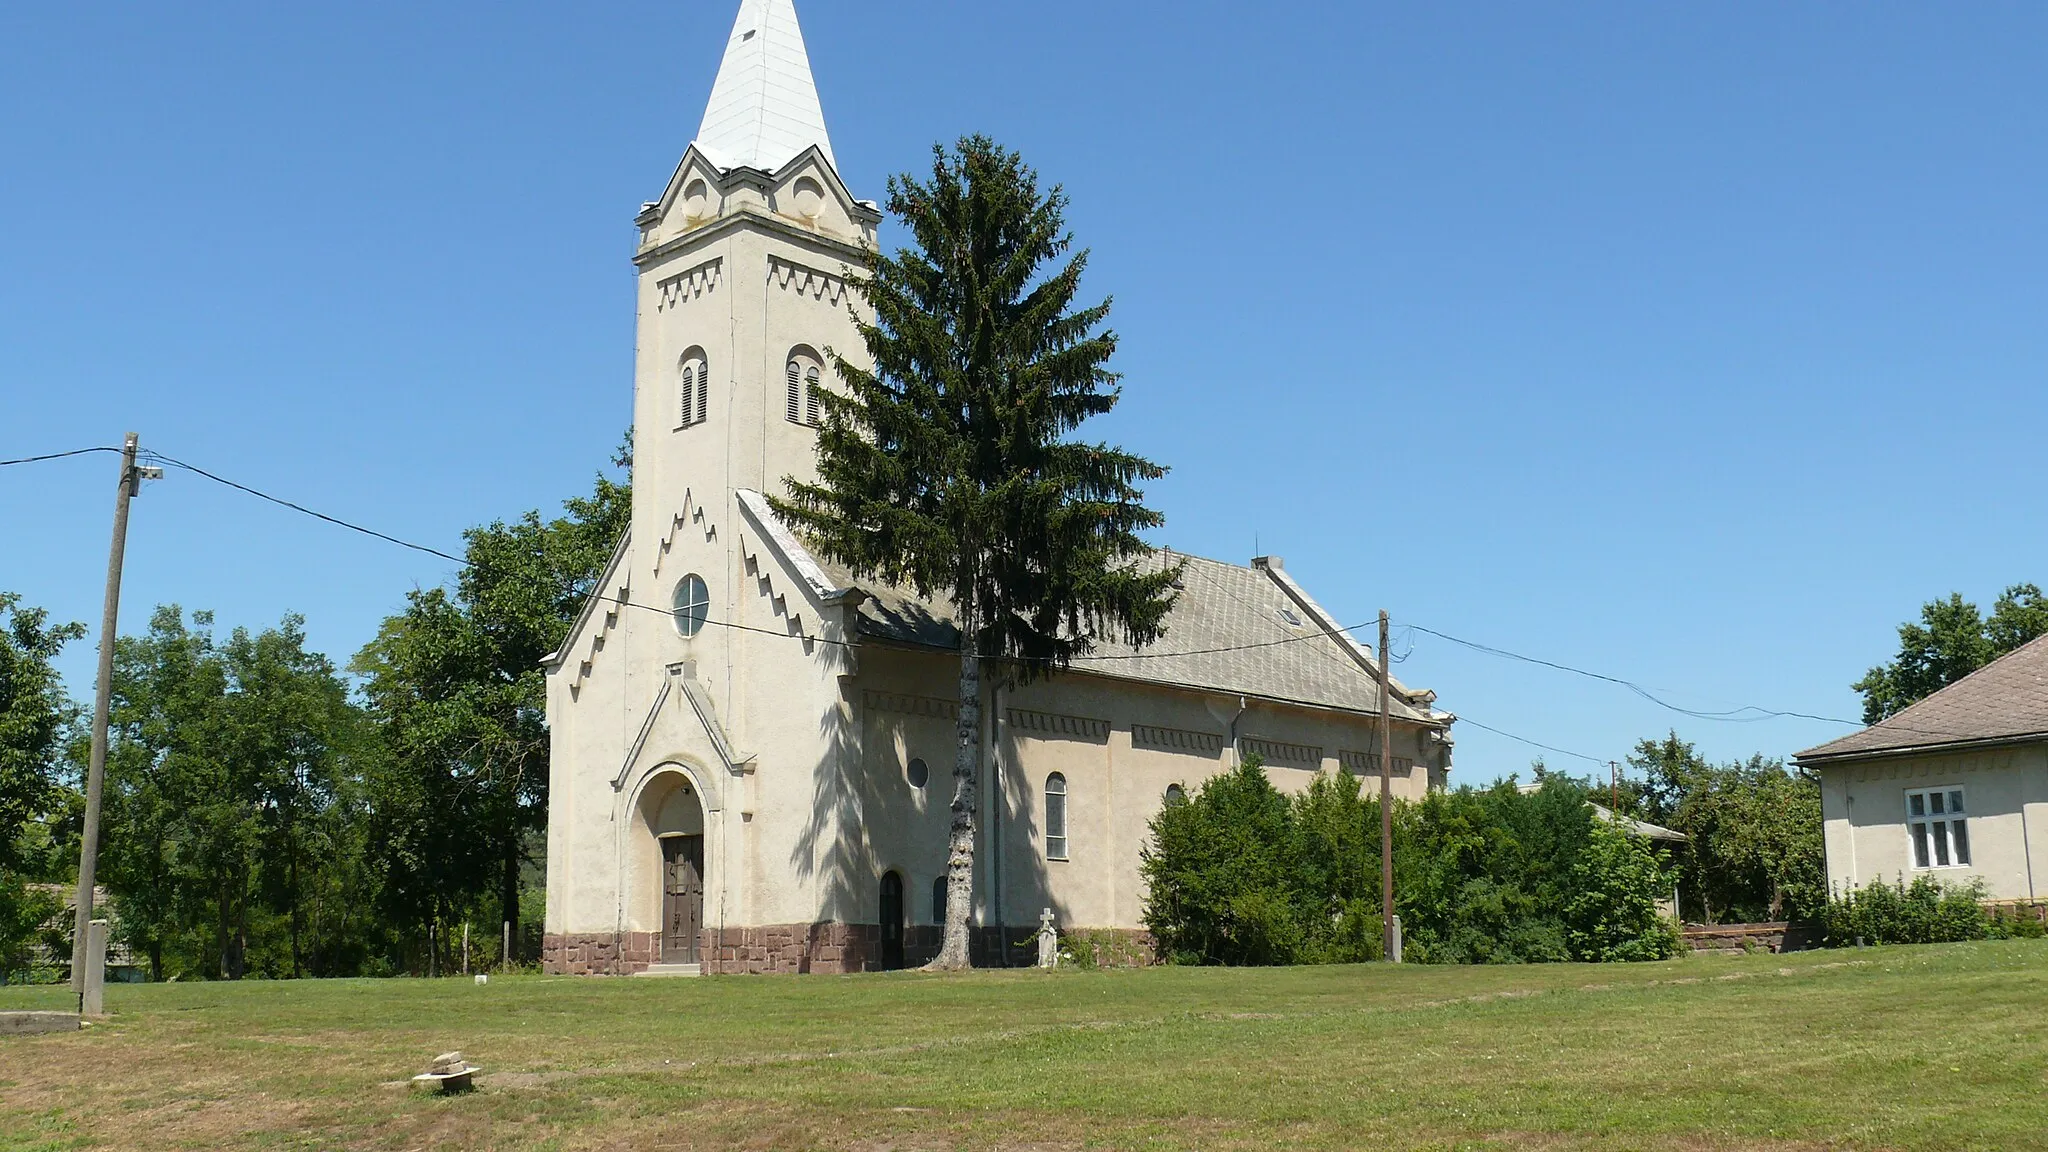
1386	800
96	771
1614	785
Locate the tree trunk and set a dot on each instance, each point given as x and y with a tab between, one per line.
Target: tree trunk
510	895
292	843
222	926
953	951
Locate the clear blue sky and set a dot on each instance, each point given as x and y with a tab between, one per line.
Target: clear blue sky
1693	344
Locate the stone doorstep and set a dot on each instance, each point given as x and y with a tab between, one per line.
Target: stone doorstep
38	1023
671	970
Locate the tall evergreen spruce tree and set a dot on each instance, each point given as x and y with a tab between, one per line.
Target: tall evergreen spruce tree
948	468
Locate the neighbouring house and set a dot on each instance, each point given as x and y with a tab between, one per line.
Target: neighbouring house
752	749
1955	786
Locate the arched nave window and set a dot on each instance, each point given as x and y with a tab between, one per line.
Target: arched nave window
1056	817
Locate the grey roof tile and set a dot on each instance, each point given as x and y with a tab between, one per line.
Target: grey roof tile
1229	632
2005	699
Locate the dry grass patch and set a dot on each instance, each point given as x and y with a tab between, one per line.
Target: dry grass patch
1912	1048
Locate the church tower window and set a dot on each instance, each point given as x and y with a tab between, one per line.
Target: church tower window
692	605
693	389
1056	817
803	373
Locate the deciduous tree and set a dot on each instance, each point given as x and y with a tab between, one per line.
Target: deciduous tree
455	683
35	718
1952	640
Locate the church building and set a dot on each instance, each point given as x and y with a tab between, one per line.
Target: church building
752	748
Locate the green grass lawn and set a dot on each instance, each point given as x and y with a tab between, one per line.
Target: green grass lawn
1933	1047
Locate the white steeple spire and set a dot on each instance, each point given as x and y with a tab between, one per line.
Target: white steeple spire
764	107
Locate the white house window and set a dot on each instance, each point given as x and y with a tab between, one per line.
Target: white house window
811	397
693	389
1055	817
917	772
692	604
1936	821
796	397
1175	794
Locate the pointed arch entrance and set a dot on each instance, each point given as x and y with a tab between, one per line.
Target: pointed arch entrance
675	815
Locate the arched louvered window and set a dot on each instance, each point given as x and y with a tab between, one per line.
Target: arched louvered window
803	373
693	389
1056	817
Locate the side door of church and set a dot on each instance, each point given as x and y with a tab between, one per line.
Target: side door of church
682	910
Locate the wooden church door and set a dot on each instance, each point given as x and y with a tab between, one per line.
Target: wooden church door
892	921
682	911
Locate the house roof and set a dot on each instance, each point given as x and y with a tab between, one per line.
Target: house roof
764	108
1643	828
2005	700
1238	630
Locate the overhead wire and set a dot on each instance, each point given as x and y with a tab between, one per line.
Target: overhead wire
1745	714
1731	716
281	502
1464	719
56	456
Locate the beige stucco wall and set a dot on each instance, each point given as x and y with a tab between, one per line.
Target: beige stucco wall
1087	728
2005	793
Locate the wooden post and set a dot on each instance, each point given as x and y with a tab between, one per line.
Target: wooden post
465	947
1389	942
505	950
96	767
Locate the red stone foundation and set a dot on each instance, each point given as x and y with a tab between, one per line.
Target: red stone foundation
597	954
828	947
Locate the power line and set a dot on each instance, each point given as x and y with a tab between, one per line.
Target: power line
1732	716
1737	715
353	527
1464	719
281	502
55	456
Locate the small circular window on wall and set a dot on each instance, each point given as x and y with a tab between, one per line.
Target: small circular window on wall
692	605
917	772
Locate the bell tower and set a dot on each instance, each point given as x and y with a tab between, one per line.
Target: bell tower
743	265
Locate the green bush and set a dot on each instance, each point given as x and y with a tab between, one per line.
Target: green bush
1482	875
1613	914
25	911
1240	874
1925	911
2016	924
